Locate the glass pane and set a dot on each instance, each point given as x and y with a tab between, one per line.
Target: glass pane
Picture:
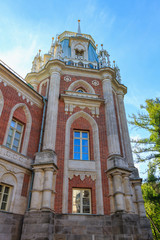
77	149
84	135
84	149
77	142
85	156
86	209
77	134
84	142
16	143
9	140
3	206
76	201
0	188
85	193
5	196
6	190
0	196
13	123
10	131
19	127
17	135
8	145
86	201
76	156
15	148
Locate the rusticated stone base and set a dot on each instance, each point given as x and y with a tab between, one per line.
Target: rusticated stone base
50	226
10	226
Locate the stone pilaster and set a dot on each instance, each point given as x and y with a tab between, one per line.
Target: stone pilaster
52	110
118	192
128	195
47	188
37	190
111	192
125	133
45	169
139	198
111	123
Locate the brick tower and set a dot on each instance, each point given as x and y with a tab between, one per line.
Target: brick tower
66	149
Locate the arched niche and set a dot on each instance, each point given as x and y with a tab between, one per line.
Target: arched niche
27	128
81	84
99	196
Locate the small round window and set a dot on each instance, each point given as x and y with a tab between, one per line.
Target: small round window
81	90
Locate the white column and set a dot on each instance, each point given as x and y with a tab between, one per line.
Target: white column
111	197
47	189
52	110
125	133
111	123
37	189
139	199
128	195
118	192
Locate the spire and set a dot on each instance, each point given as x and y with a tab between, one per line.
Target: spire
79	29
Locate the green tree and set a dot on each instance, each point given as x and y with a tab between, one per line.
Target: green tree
151	196
148	149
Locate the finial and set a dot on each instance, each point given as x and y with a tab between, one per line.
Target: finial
52	39
102	46
39	51
114	63
79	29
96	45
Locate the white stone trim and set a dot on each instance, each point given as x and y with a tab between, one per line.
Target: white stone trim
99	195
81	83
40	86
1	102
27	129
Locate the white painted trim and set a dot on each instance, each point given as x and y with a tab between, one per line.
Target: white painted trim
81	83
1	102
28	126
99	195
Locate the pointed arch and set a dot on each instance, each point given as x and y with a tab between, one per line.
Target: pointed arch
1	102
83	84
99	196
27	129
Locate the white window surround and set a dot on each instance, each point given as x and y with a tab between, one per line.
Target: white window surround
27	129
8	178
96	149
13	131
1	102
81	84
41	84
5	191
81	201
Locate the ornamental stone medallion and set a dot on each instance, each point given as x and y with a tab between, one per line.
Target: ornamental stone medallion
95	83
67	79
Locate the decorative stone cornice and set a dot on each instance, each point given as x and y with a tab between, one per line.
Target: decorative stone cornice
55	69
82	174
82	100
14	157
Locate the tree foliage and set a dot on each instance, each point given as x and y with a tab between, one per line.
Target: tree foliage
148	148
151	196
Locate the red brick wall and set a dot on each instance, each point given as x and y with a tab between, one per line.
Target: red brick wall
11	98
82	124
25	185
88	183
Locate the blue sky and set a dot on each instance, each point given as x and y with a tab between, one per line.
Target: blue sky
128	29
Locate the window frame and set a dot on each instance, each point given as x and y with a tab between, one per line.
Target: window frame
15	130
8	196
81	138
81	200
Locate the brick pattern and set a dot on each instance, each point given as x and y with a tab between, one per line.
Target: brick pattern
87	183
81	124
25	185
11	98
